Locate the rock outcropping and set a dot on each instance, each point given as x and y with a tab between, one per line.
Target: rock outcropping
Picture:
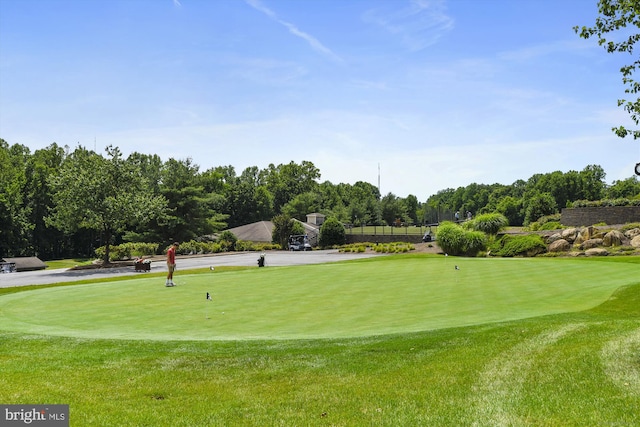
590	241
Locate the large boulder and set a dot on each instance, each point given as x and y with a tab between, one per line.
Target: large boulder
560	246
632	233
635	242
584	235
596	252
615	238
570	234
591	243
553	238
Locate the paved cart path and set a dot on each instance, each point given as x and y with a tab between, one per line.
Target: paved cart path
273	258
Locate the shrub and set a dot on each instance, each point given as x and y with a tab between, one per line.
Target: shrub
551	226
474	242
127	251
547	222
244	245
490	223
455	240
227	240
332	233
450	238
526	245
606	202
630	226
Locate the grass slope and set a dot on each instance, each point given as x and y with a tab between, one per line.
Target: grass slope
571	369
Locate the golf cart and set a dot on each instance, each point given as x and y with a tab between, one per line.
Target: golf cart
428	236
299	242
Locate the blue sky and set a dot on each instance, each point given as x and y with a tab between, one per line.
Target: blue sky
433	94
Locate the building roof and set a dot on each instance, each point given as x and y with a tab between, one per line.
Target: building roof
27	263
256	232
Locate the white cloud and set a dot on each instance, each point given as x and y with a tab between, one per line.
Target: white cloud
419	24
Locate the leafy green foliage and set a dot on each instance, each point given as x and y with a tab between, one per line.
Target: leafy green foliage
332	233
521	245
227	240
539	205
283	227
455	240
127	251
615	18
547	222
605	202
106	195
490	223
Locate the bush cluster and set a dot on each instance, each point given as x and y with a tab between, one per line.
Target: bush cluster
548	222
455	240
387	248
526	245
332	233
490	223
605	202
127	251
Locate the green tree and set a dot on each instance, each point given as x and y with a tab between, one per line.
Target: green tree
332	233
45	240
192	211
593	182
15	228
412	208
611	31
625	188
283	227
287	181
539	205
511	208
106	195
301	205
393	209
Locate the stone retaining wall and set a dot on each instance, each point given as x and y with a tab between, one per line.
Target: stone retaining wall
610	215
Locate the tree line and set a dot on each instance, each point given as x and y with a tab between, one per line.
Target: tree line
57	202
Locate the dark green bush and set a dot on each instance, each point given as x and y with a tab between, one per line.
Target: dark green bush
605	202
525	245
227	240
127	251
332	233
551	226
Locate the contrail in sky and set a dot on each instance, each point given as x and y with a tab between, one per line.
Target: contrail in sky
313	42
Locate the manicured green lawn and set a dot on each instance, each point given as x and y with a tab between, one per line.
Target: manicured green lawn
408	293
395	351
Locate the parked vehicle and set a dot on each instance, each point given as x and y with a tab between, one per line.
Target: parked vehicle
299	242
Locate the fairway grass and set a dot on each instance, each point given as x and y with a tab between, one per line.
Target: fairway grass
579	367
395	294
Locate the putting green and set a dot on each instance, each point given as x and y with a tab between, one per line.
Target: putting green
384	295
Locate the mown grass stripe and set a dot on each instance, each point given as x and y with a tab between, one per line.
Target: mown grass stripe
499	385
621	360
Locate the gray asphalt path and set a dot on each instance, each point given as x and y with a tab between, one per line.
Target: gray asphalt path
273	258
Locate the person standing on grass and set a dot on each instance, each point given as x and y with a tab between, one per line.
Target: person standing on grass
171	263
